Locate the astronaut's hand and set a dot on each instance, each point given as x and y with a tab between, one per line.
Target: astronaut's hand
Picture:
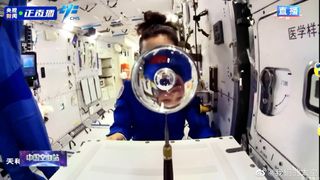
116	136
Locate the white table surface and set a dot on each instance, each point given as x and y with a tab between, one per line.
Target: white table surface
138	160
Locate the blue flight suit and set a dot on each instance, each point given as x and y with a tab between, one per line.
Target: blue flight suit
135	121
21	123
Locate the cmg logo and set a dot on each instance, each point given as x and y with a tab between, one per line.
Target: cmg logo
69	9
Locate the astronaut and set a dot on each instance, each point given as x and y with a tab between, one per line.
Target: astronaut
134	121
21	124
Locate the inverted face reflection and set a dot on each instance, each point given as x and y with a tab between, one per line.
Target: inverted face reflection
164	79
172	98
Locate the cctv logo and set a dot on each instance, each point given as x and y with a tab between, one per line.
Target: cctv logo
69	9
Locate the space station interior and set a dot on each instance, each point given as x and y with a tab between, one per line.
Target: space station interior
159	89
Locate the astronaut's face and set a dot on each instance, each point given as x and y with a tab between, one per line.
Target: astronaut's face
173	97
153	42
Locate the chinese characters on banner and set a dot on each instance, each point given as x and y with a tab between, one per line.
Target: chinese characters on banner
12	161
288	11
44	13
303	31
11	13
39	158
30	13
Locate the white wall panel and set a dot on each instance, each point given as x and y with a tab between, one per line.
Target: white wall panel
289	136
222	56
60	89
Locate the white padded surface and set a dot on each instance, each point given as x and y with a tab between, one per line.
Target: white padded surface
138	160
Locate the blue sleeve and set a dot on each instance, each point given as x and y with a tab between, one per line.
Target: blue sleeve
122	113
21	123
10	32
198	122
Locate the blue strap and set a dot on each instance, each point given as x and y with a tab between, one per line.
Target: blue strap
14	89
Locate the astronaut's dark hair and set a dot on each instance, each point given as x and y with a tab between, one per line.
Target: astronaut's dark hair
155	24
